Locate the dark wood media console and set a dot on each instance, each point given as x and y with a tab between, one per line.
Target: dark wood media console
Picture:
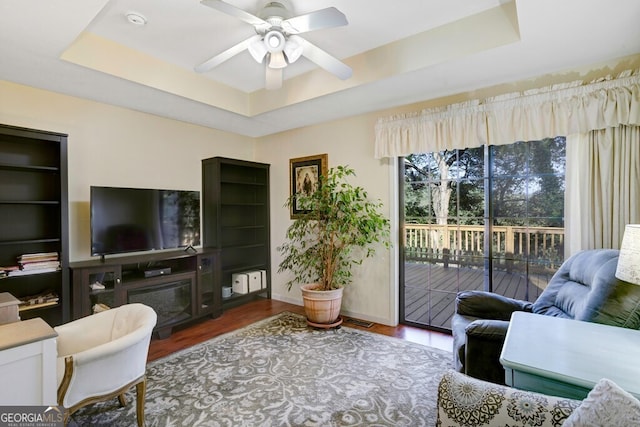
181	286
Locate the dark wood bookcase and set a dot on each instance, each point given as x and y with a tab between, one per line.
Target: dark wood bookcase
236	220
34	215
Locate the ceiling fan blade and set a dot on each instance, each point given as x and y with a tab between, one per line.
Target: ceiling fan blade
273	78
323	59
324	18
227	54
236	13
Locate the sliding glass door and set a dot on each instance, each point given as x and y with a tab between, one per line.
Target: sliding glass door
488	218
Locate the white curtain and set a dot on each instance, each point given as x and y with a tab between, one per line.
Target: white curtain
458	125
568	110
603	185
601	120
548	112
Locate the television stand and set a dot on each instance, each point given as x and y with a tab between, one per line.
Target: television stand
181	286
190	248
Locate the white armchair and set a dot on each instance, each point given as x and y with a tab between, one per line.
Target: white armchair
103	355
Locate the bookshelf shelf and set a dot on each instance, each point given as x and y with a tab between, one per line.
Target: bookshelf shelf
31	168
23	308
30	202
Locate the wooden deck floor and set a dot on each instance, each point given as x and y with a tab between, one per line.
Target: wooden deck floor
430	290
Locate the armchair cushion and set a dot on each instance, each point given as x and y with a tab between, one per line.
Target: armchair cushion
466	401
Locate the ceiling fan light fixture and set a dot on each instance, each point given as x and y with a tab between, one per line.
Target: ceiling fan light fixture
274	41
273	78
277	60
292	50
258	50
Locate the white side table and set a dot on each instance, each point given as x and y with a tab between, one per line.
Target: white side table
28	363
567	358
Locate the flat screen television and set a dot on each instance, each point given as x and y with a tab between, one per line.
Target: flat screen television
141	219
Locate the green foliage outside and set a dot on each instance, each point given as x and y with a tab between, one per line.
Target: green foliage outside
524	184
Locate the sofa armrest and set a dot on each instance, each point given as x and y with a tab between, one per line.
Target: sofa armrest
487	329
485	339
464	401
488	305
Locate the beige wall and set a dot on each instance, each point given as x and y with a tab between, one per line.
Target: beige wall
371	296
114	146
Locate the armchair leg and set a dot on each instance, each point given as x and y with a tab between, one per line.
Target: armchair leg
141	389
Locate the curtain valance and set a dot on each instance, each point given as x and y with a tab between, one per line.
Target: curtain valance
557	110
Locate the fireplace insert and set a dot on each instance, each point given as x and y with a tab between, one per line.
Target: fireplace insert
173	301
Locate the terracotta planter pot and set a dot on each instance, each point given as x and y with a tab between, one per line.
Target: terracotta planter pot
322	307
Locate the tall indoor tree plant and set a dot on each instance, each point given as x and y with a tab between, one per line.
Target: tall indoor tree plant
342	226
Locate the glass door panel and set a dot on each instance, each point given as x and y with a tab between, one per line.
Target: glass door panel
490	219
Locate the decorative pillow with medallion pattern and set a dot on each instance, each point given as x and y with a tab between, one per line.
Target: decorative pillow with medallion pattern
467	401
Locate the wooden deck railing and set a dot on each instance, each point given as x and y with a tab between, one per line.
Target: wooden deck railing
464	244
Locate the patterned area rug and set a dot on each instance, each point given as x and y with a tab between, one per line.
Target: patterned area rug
279	372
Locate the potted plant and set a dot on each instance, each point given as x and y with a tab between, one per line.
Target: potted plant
342	226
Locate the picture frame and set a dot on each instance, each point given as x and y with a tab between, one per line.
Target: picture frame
304	175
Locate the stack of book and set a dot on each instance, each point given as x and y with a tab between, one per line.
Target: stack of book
43	299
42	262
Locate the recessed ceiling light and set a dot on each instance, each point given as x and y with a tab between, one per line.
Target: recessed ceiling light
136	18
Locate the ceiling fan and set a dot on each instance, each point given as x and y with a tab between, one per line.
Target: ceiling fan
277	42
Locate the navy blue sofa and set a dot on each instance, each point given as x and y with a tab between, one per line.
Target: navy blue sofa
584	288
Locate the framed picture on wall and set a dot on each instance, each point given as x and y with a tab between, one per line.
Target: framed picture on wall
304	175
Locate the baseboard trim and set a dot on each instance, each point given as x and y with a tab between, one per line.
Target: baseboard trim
374	319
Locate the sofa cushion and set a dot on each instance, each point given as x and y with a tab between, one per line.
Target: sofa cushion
466	401
605	406
585	288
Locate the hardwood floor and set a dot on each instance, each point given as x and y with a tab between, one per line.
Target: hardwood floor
244	315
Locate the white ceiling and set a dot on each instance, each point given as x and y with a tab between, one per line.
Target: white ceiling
401	52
